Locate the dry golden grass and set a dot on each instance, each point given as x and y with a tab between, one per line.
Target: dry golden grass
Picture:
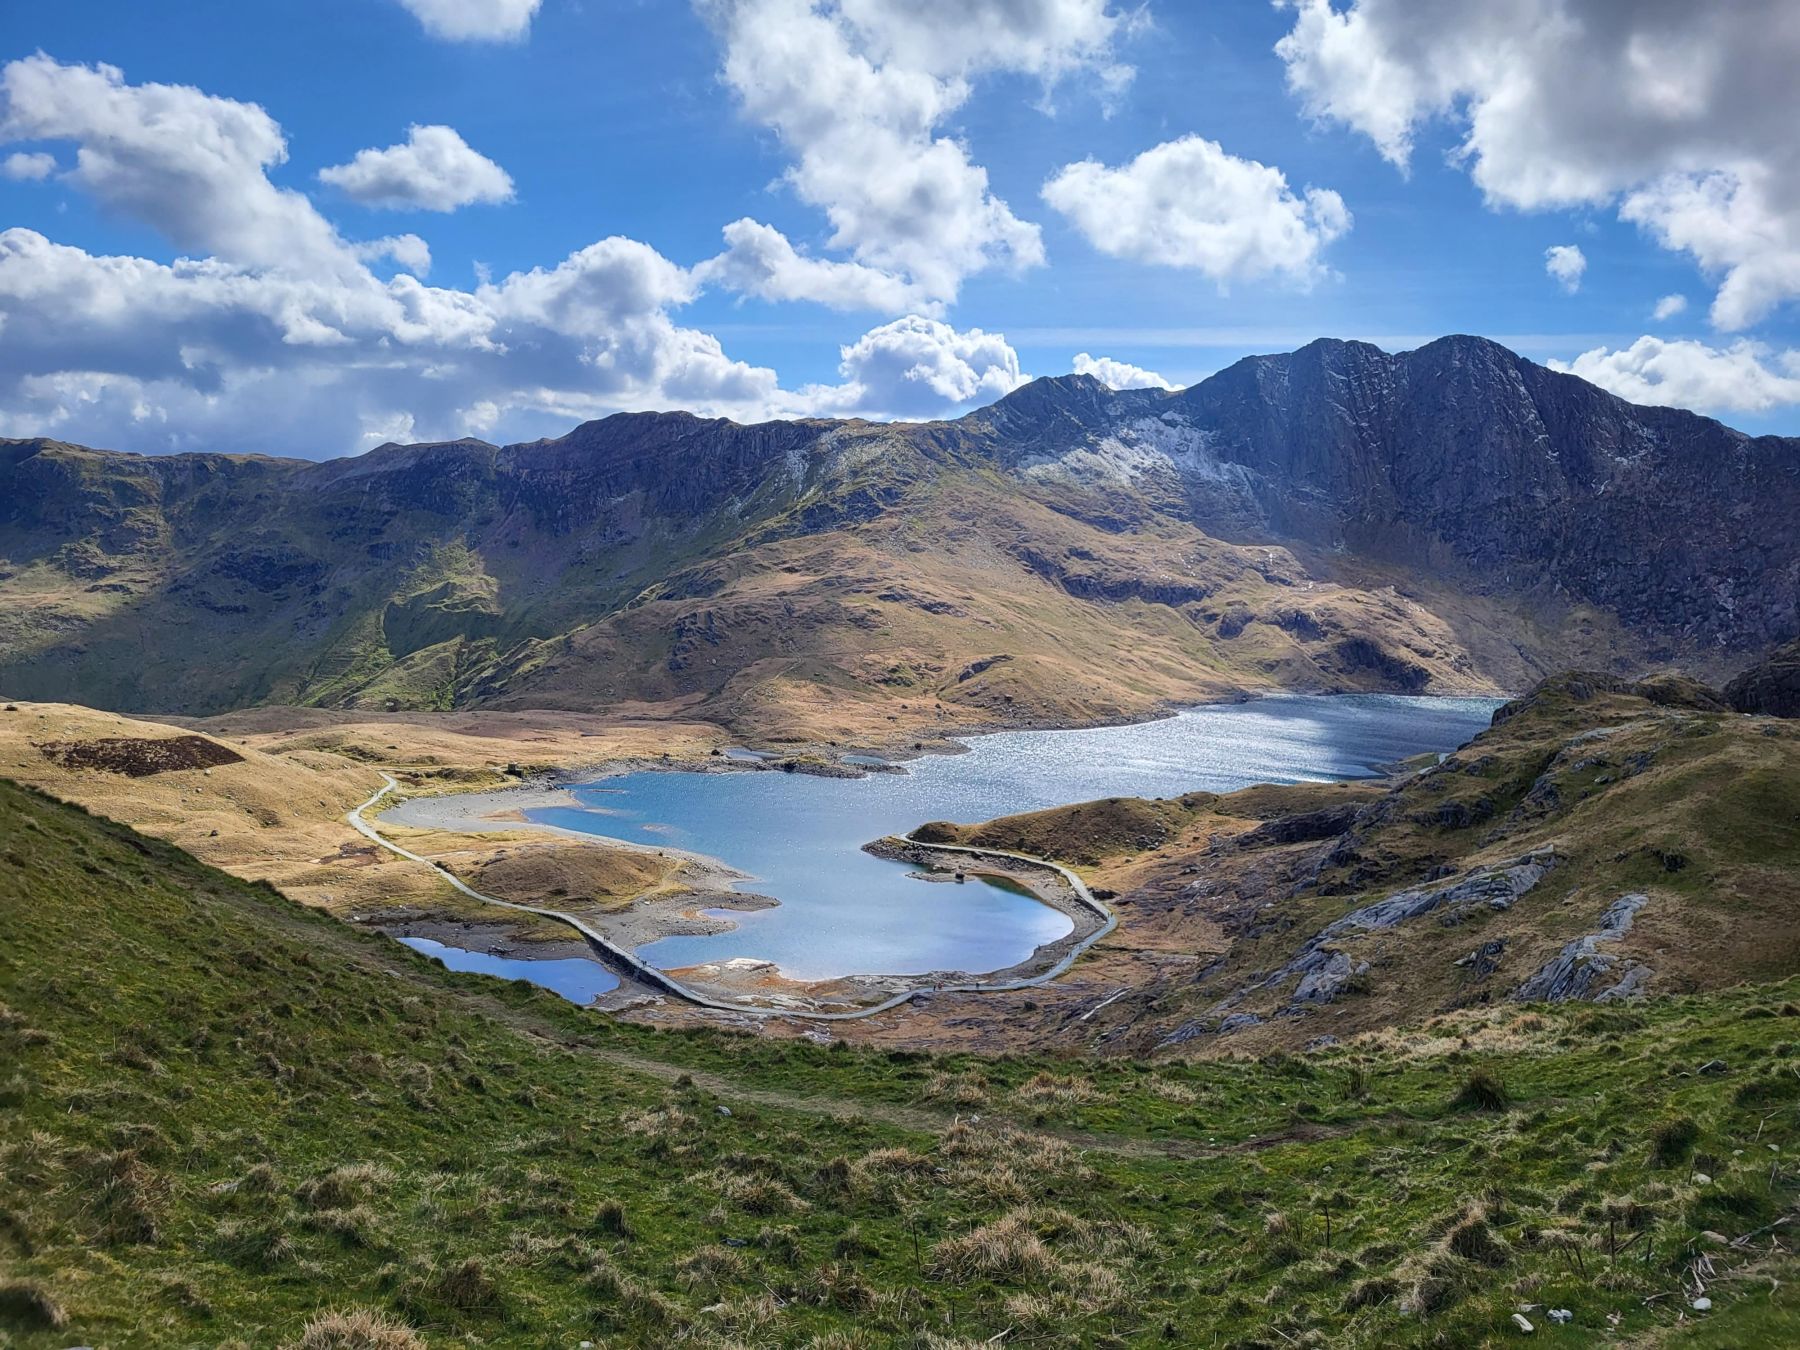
357	1329
967	1089
1045	1088
883	634
556	871
475	744
270	817
277	813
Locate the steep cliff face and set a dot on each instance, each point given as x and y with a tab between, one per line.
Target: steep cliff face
1527	478
1335	517
1771	687
1464	456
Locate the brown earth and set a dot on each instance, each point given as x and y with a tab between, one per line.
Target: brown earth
139	758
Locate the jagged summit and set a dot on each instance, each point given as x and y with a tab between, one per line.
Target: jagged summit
1081	399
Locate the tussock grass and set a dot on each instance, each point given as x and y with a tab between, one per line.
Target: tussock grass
1481	1091
966	1090
259	1246
1008	1249
355	1225
758	1194
125	1197
1672	1141
1060	1090
711	1267
620	1300
358	1329
342	1187
467	1286
610	1219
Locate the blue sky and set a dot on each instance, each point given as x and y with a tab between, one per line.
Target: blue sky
1416	196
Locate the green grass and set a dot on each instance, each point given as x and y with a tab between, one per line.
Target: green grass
223	1115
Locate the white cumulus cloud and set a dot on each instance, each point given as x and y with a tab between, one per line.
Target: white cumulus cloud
1744	377
859	91
192	166
1565	263
916	367
435	169
205	354
475	20
1047	39
276	335
32	167
1680	115
1119	374
1668	307
1188	203
759	260
276	328
404	250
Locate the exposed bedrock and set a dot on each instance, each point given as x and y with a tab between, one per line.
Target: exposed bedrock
1582	971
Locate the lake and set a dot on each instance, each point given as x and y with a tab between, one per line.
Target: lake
576	979
843	912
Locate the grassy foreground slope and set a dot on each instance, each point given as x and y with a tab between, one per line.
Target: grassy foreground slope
229	1120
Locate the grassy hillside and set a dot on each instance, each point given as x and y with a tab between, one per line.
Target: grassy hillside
1453	886
228	1120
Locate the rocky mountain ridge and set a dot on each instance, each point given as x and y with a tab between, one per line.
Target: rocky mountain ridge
1452	517
1459	454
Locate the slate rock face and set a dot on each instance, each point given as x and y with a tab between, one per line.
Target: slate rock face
1485	959
1459	455
1322	971
1581	970
1770	687
1524	475
1324	984
1495	888
1304	827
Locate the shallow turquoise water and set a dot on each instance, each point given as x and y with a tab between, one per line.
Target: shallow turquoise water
843	912
576	979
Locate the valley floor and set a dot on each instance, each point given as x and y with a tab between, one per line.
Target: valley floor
1626	790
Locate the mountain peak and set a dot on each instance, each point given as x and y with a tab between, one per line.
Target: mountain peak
1082	398
1059	388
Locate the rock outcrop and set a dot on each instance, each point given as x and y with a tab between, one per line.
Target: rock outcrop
1323	970
1770	687
1582	971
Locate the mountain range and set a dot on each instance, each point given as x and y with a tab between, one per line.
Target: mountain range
1454	518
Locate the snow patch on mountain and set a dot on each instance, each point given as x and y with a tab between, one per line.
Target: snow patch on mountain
1142	447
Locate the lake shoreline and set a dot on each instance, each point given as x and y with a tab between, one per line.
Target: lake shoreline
649	919
707	882
708	899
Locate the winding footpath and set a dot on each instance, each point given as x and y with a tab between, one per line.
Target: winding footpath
650	975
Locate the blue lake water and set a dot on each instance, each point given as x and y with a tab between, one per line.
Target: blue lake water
576	979
843	912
